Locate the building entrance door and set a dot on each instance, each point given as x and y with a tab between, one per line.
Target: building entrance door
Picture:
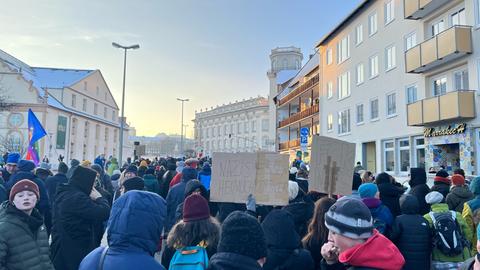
370	156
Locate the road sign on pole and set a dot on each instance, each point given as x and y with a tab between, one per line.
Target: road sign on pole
304	138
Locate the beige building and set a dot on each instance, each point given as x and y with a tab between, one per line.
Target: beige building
400	79
75	107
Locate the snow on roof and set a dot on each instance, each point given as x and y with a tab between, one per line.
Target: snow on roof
59	78
285	75
312	63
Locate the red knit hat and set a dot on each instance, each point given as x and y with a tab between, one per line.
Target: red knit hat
458	180
195	207
23	185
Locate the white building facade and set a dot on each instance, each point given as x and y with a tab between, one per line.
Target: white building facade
242	126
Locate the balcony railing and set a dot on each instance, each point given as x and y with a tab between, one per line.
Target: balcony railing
450	106
418	9
448	45
299	116
300	89
289	144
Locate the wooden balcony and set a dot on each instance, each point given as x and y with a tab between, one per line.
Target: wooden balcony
299	116
447	46
418	9
289	144
451	106
300	89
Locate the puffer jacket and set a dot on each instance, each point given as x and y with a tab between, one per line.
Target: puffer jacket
151	183
23	240
457	197
379	212
232	261
419	188
131	246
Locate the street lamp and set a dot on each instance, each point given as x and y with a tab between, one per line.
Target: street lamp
122	120
181	127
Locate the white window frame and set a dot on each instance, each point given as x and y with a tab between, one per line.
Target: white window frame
329	90
385	150
458	13
373	119
413	40
343	93
74	101
372	25
360	73
432	32
387	104
329	122
329	56
390	58
416	147
362	113
348	123
343	49
389	12
359	34
477	13
407	94
440	77
373	67
462	86
400	148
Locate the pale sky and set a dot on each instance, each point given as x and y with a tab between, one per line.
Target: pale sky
210	51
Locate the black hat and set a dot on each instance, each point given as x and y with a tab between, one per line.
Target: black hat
442	173
132	169
62	168
134	183
242	234
351	218
83	178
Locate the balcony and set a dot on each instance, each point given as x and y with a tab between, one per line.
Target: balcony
300	89
455	105
299	116
289	144
418	9
447	46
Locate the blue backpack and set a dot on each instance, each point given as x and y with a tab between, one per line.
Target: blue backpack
189	258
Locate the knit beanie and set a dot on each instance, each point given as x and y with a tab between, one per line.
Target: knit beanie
458	180
195	208
134	183
23	185
132	169
433	197
442	176
475	185
62	168
367	190
189	174
13	158
351	218
292	190
25	165
242	234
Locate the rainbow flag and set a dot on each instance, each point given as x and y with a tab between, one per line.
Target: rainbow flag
35	133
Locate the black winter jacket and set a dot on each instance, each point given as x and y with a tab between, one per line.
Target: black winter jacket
232	261
419	188
389	195
52	183
441	187
165	183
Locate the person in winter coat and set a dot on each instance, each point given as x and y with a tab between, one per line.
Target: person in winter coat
301	209
441	183
10	166
389	193
77	208
353	243
367	177
459	194
112	166
317	234
189	163
439	259
52	182
412	235
419	188
205	175
115	177
150	180
382	217
302	179
242	244
23	237
471	209
131	246
43	171
176	195
103	183
284	248
356	182
193	186
167	178
473	263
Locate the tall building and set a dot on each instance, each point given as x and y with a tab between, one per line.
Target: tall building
242	126
399	78
285	62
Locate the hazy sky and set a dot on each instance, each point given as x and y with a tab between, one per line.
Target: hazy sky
211	51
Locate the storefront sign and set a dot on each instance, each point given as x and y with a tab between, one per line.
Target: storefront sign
61	132
431	132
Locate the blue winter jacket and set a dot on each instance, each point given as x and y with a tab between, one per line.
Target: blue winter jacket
133	233
205	175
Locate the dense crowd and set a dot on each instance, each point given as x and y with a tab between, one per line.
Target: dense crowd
157	214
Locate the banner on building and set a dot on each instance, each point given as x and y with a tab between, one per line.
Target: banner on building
61	132
331	166
236	175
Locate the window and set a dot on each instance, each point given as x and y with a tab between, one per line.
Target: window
458	18
360	74
411	94
343	49
390	58
265	124
97	131
461	80
404	155
344	122
214	131
245	127
254	126
420	152
359	34
374	109
95	108
438	27
389	12
106	134
329	56
74	100
113	115
391	105
231	128
410	41
85	86
219	131
372	24
330	122
373	66
329	90
359	113
389	156
343	84
84	105
440	86
105	112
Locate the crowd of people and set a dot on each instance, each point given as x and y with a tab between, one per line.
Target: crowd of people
157	214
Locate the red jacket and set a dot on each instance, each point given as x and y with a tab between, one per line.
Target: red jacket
176	179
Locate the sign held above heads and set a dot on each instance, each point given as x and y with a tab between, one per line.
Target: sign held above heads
236	175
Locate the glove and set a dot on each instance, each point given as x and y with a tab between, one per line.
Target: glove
251	203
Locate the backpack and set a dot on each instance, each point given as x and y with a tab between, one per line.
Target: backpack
189	258
447	235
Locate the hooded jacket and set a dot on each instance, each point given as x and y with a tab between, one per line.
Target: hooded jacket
205	175
112	166
380	212
284	249
389	193
131	246
457	197
419	188
52	183
232	261
75	215
190	187
412	235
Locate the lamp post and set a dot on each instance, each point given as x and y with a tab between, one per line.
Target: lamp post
122	119
181	126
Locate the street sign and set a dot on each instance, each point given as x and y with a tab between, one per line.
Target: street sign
304	138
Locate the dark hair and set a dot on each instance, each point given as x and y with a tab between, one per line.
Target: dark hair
184	234
459	171
383	178
356	181
317	231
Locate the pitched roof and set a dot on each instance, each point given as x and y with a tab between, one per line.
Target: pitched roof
59	78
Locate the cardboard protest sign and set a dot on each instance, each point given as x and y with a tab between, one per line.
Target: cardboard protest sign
331	166
236	175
